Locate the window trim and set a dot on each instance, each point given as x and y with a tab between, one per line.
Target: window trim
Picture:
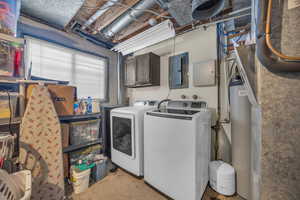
71	49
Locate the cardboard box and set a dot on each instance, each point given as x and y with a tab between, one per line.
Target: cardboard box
65	132
5	111
63	98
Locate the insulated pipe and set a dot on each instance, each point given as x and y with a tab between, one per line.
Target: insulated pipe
268	37
128	18
100	12
263	52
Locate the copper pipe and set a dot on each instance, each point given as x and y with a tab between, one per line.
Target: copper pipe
268	37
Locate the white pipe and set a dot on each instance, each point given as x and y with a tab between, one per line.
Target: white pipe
240	10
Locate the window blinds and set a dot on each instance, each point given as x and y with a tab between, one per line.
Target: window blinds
86	72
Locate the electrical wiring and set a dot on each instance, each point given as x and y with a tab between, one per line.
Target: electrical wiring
219	34
226	34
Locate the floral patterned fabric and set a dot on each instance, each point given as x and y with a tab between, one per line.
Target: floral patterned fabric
41	146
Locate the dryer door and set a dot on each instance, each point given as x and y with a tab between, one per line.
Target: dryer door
122	128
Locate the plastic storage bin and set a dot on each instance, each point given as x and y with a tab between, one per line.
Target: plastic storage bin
80	179
84	154
85	131
100	170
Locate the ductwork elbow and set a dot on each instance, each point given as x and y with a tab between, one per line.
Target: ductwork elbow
263	52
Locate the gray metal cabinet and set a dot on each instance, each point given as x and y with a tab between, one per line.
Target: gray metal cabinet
142	71
178	71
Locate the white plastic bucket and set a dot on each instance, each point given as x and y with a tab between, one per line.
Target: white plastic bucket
80	180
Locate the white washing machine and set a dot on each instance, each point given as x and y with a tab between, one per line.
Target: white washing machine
177	142
127	130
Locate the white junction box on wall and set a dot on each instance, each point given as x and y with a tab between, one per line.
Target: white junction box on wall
204	73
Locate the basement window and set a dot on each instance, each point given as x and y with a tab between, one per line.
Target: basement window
85	71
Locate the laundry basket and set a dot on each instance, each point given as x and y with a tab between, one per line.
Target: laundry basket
15	186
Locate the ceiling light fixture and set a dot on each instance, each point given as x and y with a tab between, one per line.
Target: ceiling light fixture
153	35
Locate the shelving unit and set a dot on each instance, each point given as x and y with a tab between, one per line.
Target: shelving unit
81	146
74	118
16	120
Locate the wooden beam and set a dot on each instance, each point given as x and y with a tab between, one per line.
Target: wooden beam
142	28
113	13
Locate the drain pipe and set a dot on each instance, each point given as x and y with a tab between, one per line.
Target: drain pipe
128	18
264	54
120	80
100	12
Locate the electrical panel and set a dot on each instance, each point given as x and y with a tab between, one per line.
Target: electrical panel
178	71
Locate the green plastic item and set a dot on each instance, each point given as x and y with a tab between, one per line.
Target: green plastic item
84	166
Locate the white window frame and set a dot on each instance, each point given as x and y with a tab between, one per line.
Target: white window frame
73	51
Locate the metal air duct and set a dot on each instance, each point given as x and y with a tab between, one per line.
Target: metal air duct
205	9
128	18
100	12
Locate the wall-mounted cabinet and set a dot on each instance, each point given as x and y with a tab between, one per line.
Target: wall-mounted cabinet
130	68
178	71
142	71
